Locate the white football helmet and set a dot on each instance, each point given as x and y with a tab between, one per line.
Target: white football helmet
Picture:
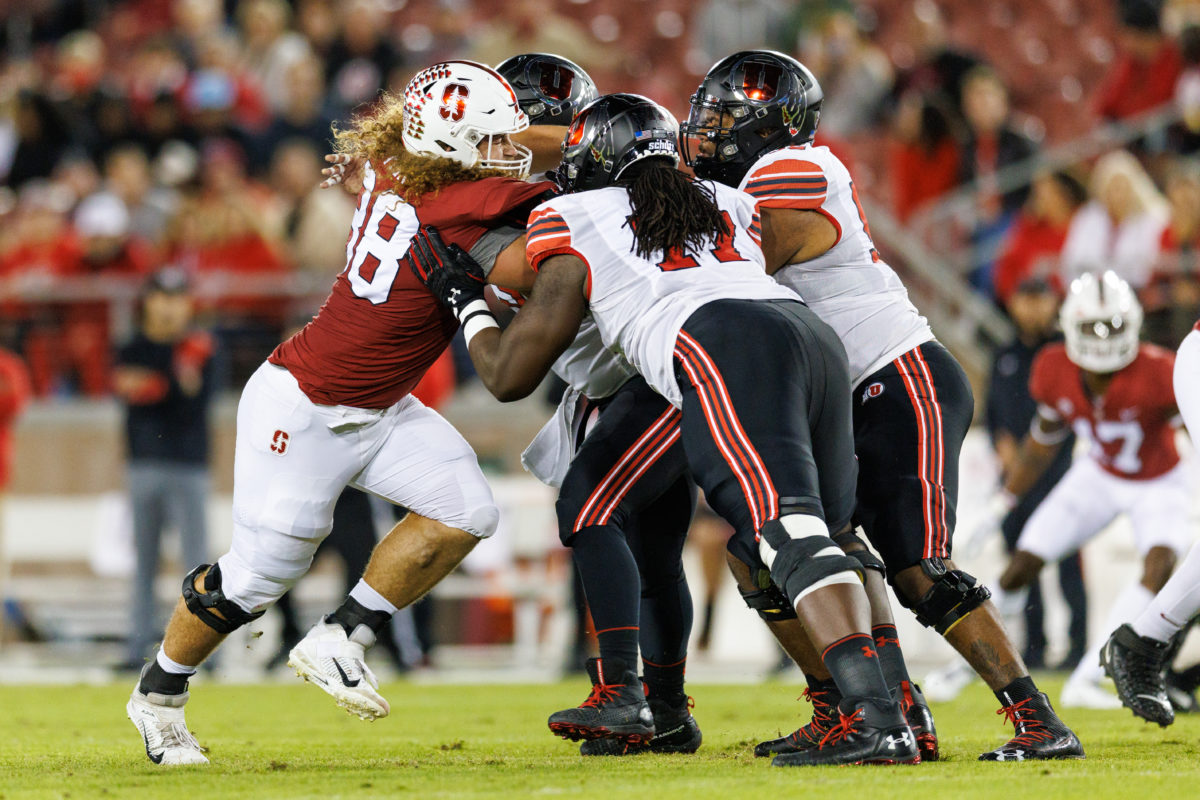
1101	319
450	108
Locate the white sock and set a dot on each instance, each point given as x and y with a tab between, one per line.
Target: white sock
1175	604
1132	600
173	667
371	599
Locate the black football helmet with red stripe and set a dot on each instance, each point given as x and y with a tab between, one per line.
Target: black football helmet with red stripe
609	135
550	89
749	103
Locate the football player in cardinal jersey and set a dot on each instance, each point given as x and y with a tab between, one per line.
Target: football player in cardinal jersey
332	407
752	123
626	501
668	266
1117	394
1137	654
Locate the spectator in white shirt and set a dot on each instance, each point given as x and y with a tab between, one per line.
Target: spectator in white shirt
1121	227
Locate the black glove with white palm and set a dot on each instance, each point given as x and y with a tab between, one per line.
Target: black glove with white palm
455	279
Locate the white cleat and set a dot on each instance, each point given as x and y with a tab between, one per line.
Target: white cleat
329	658
947	683
1078	693
159	718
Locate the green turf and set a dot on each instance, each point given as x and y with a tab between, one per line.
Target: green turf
289	741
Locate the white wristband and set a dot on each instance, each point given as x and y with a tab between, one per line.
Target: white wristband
472	308
476	322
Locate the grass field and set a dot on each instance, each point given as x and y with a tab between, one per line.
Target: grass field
443	741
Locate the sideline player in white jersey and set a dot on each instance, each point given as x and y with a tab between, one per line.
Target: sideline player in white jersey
668	267
332	407
1136	656
752	123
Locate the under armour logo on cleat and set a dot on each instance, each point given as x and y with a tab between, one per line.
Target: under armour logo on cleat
904	738
454	293
1010	755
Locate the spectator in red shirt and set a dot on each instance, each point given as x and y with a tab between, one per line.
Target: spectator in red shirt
1037	236
15	391
924	158
110	253
41	249
1148	64
41	245
225	226
228	236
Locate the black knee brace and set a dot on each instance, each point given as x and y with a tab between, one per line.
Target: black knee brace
862	553
797	565
232	616
954	594
767	599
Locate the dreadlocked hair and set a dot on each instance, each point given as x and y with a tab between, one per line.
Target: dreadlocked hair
375	137
671	212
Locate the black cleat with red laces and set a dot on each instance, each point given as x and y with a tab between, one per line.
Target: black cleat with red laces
920	718
616	708
675	731
868	731
824	696
1041	735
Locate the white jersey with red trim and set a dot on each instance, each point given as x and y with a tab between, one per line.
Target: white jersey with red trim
849	286
639	305
589	367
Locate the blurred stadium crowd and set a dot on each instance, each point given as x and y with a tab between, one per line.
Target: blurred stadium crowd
138	133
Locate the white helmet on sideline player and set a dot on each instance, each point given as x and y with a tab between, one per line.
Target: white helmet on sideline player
1101	319
450	108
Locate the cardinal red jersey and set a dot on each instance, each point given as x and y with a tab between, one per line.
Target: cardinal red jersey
1131	427
380	329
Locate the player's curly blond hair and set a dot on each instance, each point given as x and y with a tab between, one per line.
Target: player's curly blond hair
375	137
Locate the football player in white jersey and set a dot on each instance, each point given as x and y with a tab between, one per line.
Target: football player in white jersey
752	123
1138	653
625	502
668	267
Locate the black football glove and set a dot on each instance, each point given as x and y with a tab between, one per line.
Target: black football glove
453	277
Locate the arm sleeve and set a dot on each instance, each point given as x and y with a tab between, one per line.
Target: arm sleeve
492	244
788	183
547	235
